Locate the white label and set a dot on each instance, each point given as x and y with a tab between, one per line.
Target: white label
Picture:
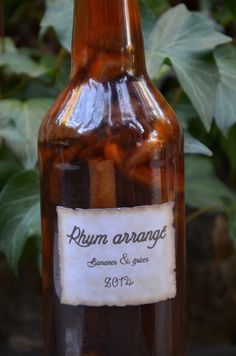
122	256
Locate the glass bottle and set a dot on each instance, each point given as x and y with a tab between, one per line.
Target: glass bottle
111	146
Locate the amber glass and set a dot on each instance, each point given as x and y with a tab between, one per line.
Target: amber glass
110	140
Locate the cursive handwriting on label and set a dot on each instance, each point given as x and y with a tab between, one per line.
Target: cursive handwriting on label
83	239
124	260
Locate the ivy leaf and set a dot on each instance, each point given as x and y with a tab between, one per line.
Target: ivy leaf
192	145
11	134
157	7
198	78
8	108
184	38
185	111
180	31
22	64
8	132
27	117
59	16
225	106
9	165
8	44
28	123
203	189
19	214
8	169
148	18
18	62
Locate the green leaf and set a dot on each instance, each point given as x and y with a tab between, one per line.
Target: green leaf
37	89
28	123
192	145
8	45
205	5
59	16
184	38
157	7
185	111
12	134
198	78
148	18
18	62
150	11
8	169
9	165
203	189
19	214
10	109
27	117
225	106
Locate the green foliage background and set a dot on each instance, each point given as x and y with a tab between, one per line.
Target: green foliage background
191	57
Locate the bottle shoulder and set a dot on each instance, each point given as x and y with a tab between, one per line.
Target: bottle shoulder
127	109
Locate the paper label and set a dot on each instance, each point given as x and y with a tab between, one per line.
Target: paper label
117	257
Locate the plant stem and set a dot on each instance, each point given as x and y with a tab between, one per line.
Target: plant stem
202	211
177	97
13	92
61	55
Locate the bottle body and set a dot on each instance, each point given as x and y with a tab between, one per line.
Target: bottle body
111	142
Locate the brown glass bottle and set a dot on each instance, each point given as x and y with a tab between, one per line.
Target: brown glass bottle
110	141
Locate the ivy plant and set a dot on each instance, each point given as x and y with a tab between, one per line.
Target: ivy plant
190	49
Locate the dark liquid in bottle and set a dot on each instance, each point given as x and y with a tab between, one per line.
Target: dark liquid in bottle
137	155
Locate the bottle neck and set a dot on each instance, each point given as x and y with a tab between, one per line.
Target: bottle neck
107	39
